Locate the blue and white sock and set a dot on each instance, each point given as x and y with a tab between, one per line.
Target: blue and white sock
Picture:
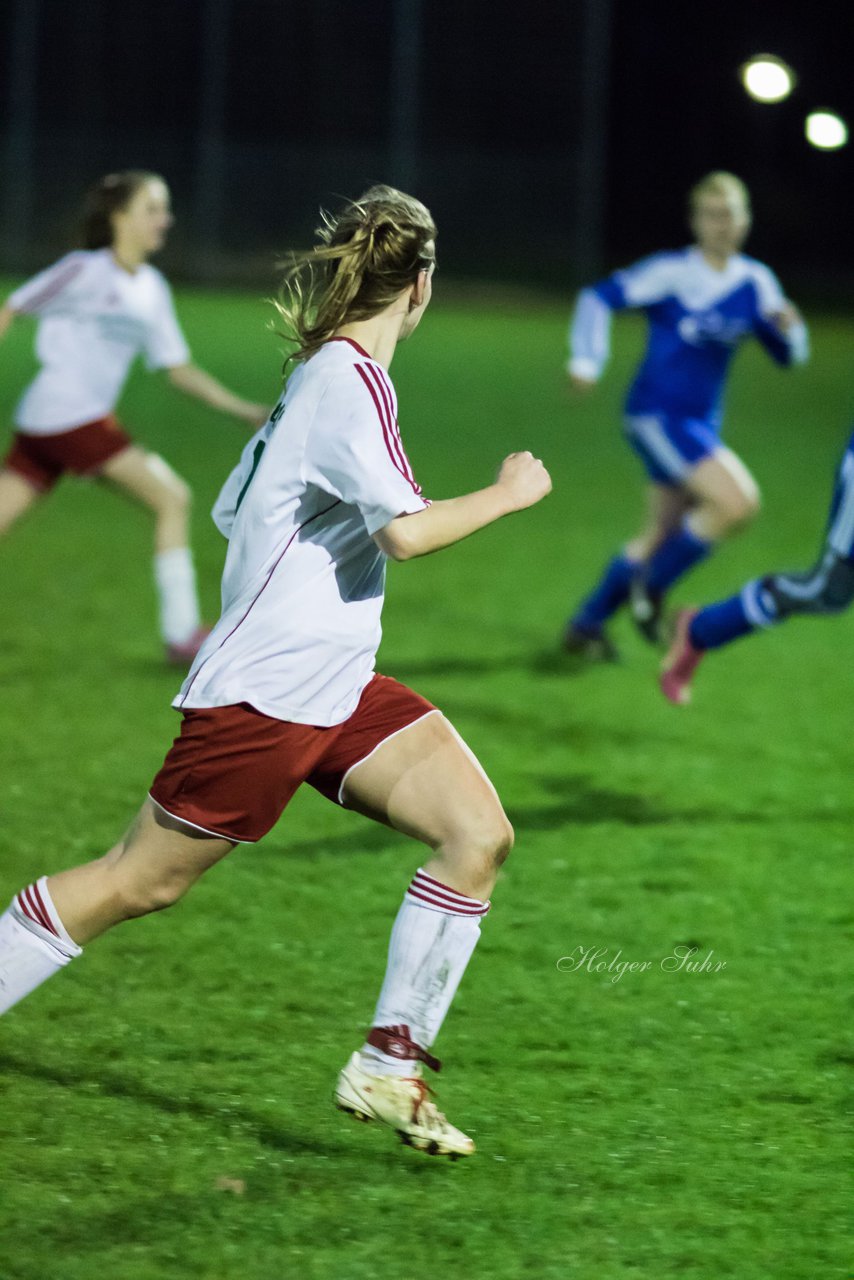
678	553
754	607
610	593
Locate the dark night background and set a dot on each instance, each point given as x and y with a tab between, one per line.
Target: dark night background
550	140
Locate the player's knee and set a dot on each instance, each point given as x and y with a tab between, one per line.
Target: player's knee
493	842
639	548
179	497
505	839
143	897
746	506
739	508
478	847
501	841
752	503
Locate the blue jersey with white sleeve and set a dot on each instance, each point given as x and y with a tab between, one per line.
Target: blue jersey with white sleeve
697	317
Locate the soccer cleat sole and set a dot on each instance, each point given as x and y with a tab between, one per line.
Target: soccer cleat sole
428	1148
357	1115
431	1148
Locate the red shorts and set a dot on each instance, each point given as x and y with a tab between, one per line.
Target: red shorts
232	770
43	459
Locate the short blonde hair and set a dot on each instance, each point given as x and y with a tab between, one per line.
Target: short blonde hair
719	183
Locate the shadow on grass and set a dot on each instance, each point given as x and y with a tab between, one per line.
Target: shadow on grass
543	662
267	1134
583	802
580	802
452	665
556	662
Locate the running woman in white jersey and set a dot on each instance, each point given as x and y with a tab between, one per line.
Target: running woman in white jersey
98	308
284	691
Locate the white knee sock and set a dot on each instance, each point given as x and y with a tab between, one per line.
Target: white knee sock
175	578
434	935
33	944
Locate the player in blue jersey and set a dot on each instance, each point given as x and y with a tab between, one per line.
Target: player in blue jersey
828	587
701	303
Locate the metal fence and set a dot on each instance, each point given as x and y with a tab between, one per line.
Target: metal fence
256	111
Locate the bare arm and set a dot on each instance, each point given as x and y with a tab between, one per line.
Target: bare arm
522	481
195	382
7	315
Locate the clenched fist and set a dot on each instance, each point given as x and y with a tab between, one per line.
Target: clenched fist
524	480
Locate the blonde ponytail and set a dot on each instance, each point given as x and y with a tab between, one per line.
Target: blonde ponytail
366	256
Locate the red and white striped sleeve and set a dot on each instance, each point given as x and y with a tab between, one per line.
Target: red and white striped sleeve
51	287
355	450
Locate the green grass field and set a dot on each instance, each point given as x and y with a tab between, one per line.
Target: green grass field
165	1104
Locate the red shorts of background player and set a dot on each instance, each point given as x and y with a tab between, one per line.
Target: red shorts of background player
43	459
232	770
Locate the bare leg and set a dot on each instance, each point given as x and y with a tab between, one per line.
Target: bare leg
426	783
666	506
17	496
149	480
46	923
725	494
153	866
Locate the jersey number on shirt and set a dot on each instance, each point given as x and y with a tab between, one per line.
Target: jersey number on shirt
257	452
256	459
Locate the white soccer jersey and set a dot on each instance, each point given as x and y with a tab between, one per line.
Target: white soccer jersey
302	590
94	319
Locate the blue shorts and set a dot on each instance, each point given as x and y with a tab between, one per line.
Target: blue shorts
670	447
840	523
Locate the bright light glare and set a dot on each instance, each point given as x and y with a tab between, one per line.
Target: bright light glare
767	79
826	130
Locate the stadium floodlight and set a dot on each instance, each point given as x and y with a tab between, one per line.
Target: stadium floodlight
826	130
767	78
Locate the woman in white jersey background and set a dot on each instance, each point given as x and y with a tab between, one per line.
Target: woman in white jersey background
284	690
98	308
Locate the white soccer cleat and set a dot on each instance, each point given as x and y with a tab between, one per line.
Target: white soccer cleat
403	1103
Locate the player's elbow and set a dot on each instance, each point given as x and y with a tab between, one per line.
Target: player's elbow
7	318
179	375
396	541
400	551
